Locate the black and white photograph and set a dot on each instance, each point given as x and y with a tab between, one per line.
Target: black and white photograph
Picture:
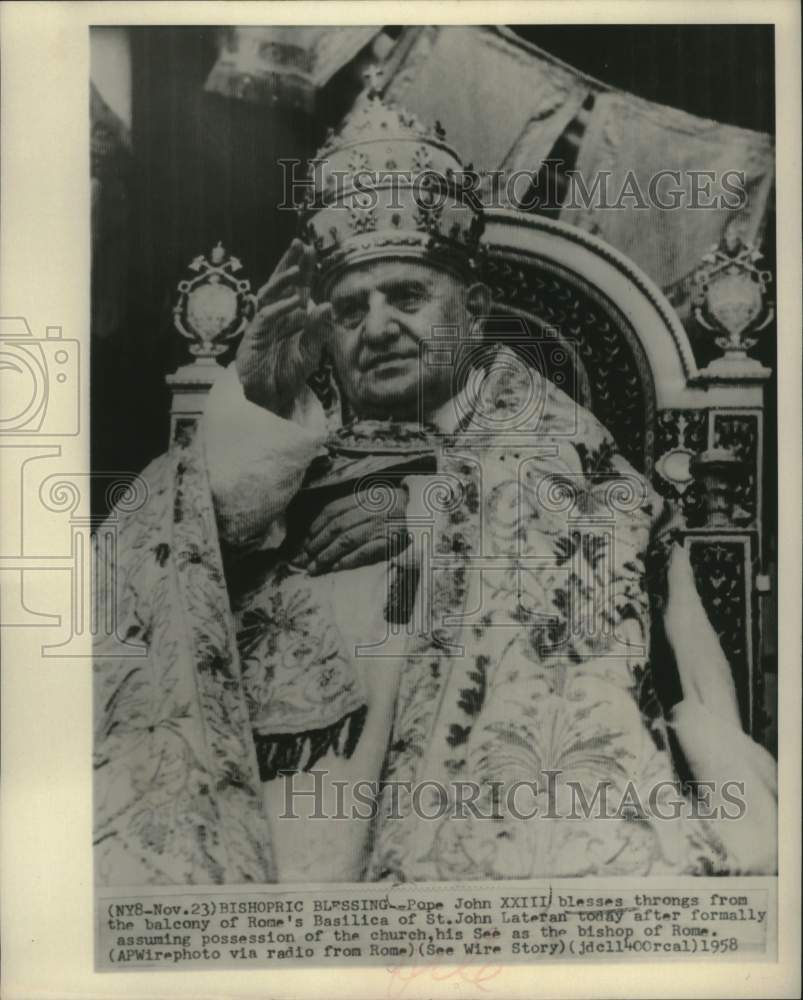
427	561
453	496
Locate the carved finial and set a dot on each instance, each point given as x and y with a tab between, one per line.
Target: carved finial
373	82
733	237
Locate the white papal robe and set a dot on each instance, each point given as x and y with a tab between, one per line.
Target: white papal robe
525	661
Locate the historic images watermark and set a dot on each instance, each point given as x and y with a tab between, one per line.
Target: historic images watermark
314	185
40	406
553	797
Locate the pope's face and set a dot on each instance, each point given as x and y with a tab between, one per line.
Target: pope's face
383	313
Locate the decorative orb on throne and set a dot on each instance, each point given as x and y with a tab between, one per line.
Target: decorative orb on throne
214	307
730	297
211	309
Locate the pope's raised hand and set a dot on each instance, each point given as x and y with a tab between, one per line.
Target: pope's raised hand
282	345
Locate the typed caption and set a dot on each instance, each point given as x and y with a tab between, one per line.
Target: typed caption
436	924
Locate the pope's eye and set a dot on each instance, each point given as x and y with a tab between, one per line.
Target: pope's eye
349	316
409	299
410	304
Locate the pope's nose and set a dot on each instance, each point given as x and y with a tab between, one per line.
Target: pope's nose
380	321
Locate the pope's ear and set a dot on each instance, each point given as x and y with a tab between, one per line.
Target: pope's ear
478	300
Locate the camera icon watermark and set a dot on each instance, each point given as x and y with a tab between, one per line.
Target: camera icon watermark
502	377
39	381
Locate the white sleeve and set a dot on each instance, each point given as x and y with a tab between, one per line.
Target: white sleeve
704	671
708	726
256	460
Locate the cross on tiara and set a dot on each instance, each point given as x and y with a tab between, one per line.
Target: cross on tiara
373	79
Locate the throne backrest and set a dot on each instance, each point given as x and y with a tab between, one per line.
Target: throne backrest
627	353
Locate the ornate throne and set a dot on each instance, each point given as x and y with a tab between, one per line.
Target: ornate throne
616	344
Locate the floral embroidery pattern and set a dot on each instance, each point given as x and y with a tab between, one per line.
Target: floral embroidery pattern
537	664
566	691
176	798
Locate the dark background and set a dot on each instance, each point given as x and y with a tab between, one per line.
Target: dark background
203	168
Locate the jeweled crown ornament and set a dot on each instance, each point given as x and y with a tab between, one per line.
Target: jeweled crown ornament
386	185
